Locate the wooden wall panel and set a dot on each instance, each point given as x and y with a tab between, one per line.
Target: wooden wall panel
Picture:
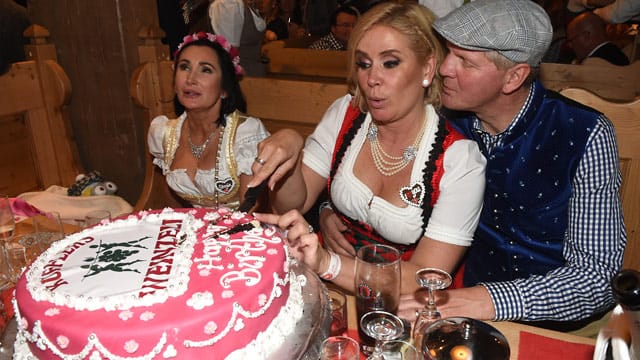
17	176
96	44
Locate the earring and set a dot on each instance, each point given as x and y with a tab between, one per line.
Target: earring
425	83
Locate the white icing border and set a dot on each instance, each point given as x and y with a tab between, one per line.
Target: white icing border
276	292
179	273
283	325
267	341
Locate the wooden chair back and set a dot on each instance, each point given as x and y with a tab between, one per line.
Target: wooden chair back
36	142
626	120
279	103
611	82
294	61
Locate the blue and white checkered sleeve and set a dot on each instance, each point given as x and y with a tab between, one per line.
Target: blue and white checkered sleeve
593	249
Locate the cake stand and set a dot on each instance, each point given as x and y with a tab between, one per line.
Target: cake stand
304	344
314	325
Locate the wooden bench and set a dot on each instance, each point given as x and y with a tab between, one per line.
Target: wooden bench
295	61
36	142
279	103
626	120
611	82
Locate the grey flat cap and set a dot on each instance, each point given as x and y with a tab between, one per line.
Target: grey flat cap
520	30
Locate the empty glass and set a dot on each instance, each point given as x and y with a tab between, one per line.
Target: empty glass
48	228
381	326
339	348
398	350
7	221
432	279
7	227
96	216
34	237
338	302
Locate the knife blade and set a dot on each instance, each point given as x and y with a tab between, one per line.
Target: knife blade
251	196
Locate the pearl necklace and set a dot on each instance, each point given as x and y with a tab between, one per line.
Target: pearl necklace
386	164
198	150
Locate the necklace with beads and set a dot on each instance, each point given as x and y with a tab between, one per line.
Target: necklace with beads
216	169
198	150
386	164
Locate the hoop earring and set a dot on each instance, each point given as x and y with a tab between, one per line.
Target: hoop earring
425	83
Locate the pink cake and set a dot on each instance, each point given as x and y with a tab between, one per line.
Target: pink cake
184	284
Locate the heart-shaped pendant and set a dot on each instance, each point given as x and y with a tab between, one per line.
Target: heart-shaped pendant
225	186
413	194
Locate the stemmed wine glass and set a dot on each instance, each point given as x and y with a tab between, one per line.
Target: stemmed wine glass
432	279
381	326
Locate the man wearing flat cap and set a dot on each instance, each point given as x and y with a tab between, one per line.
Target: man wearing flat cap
551	233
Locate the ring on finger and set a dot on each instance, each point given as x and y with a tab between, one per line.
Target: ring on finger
259	161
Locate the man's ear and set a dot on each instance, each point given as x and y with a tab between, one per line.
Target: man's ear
515	77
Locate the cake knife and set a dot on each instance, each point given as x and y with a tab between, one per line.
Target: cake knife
251	196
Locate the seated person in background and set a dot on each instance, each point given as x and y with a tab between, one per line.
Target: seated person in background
14	20
551	234
394	170
586	36
206	154
342	22
284	22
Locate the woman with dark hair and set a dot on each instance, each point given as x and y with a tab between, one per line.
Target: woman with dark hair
207	152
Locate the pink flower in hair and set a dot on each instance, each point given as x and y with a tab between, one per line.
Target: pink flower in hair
234	54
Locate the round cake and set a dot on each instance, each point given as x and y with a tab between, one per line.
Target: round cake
187	284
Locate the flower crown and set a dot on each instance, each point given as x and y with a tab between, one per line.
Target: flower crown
232	51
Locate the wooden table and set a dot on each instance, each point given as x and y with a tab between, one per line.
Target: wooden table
510	330
26	226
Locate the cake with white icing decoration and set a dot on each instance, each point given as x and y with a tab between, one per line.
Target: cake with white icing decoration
184	284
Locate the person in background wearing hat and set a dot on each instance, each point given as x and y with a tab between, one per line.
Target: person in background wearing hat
551	232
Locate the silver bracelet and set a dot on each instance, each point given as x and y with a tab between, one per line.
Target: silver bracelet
324	205
335	265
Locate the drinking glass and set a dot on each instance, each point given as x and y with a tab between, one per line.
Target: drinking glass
377	284
47	228
31	241
338	301
95	217
7	221
339	348
17	255
432	279
399	350
7	227
381	326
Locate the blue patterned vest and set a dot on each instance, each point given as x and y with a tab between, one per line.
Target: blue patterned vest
525	214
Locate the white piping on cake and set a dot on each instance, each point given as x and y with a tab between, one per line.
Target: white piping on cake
178	283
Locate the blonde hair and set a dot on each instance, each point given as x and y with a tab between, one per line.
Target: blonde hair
413	21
